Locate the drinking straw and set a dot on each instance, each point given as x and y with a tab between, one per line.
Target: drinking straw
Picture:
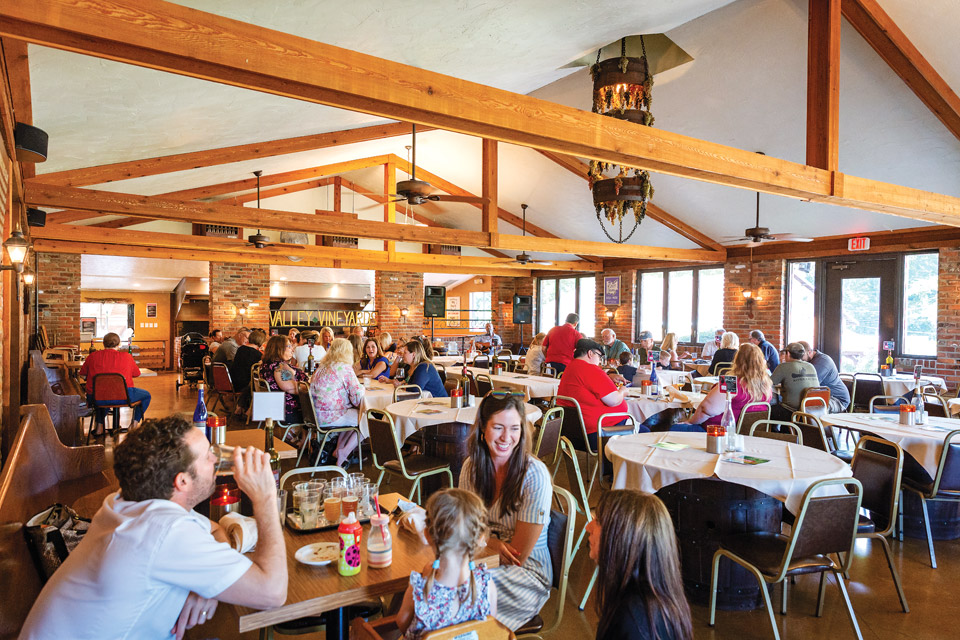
376	504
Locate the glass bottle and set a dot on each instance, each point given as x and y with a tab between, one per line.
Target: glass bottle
920	415
200	414
728	426
379	543
272	450
311	362
654	381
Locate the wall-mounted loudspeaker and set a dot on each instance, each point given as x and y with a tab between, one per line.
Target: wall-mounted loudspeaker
36	217
434	302
31	143
522	309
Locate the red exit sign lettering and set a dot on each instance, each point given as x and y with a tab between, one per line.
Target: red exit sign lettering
858	244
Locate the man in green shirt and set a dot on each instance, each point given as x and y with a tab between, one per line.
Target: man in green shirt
612	348
794	376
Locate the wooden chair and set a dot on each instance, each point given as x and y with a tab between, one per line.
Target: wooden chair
761	429
878	465
752	413
66	411
386	628
110	393
825	525
388	458
944	488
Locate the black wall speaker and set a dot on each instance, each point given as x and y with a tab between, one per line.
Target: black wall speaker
522	309
31	143
36	217
434	302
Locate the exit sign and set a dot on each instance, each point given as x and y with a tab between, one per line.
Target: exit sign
858	244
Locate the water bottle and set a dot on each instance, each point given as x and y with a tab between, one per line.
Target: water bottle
654	381
200	414
920	416
729	426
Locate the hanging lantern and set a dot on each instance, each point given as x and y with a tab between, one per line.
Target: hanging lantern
622	88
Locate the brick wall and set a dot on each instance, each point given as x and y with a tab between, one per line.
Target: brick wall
766	313
59	280
234	285
392	291
502	290
948	324
624	321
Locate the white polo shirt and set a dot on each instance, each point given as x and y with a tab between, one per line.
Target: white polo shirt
130	575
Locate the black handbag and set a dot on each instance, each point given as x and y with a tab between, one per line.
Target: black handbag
51	535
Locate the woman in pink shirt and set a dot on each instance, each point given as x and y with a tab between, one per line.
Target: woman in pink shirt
337	394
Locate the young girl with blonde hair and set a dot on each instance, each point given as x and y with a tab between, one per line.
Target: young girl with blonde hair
452	589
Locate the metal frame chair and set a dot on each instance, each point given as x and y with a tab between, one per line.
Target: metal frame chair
387	457
310	423
813	431
745	421
935	405
880	474
833	521
795	436
484	384
815	400
560	542
109	388
223	386
944	488
890	408
408	391
865	385
547	441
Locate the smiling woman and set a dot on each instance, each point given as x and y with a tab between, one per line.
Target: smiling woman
516	489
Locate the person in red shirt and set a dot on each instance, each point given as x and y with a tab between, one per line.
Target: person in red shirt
112	360
592	388
561	342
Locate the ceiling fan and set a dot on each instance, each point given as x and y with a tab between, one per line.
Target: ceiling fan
416	192
259	240
523	257
757	234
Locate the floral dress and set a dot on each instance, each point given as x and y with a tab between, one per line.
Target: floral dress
291	401
447	606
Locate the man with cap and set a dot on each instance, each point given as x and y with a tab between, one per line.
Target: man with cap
597	394
794	376
829	377
646	345
561	342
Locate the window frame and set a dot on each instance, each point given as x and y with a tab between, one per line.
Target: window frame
818	285
556	296
695	309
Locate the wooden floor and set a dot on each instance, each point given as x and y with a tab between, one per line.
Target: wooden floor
933	594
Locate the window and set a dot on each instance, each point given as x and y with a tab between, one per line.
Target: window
480	313
562	296
110	317
801	293
920	274
687	302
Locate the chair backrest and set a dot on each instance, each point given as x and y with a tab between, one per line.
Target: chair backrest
723	369
484	384
865	387
573	428
948	471
560	534
255	372
407	392
489	629
883	407
221	378
505	353
813	431
482	362
848	382
761	429
259	385
751	413
312	471
383	438
307	408
935	405
547	371
826	524
815	400
442	372
878	465
110	387
548	438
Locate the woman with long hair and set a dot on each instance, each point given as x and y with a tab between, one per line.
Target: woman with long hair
535	356
516	488
639	588
372	363
280	376
420	370
753	385
356	342
337	395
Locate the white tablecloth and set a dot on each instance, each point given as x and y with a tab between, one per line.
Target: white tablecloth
642	407
449	361
377	396
788	474
666	376
411	415
924	443
532	386
900	384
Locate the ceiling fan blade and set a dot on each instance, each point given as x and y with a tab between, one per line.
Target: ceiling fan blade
735	240
287	245
451	198
543	262
789	236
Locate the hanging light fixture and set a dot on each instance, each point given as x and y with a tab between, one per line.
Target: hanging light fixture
622	88
16	247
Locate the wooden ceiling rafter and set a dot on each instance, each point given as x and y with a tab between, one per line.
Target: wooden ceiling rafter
218	49
18	74
888	40
331	223
579	168
823	84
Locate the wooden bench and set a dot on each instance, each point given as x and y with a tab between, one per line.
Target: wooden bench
39	471
65	410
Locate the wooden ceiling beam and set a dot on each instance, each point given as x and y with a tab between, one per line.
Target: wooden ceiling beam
887	39
654	212
911	239
18	74
103	174
227	247
331	224
823	84
489	167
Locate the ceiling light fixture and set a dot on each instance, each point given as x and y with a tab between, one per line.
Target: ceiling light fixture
622	88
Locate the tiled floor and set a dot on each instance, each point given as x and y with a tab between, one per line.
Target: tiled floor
933	594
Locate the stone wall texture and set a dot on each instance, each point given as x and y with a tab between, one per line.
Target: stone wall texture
766	313
393	291
58	278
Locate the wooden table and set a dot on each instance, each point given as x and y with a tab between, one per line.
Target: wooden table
316	590
254	438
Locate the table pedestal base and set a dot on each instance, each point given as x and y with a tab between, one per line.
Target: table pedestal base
944	518
447	441
704	510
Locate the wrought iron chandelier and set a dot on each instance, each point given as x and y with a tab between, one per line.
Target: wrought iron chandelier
622	88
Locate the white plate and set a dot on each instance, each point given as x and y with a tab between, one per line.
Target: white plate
307	554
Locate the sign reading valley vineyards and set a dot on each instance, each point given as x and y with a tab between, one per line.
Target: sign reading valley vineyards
322	318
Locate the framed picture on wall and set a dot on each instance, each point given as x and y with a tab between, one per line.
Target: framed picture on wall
88	327
151	309
611	290
453	308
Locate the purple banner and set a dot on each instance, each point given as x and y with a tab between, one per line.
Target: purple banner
611	290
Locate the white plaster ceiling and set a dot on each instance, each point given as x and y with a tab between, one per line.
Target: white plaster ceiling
745	88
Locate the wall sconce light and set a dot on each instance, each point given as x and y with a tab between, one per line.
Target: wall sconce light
610	314
16	247
28	277
242	311
748	294
403	314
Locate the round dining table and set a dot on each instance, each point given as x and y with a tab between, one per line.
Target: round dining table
903	383
530	385
378	395
642	406
409	416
